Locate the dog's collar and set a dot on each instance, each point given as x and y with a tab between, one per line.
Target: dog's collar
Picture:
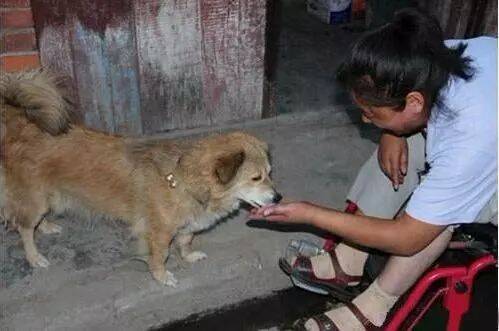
170	178
173	183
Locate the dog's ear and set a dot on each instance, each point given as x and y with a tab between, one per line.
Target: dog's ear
226	167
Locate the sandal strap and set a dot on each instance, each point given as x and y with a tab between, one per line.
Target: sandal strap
362	318
340	277
339	274
324	323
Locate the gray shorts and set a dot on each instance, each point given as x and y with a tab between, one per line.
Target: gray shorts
373	192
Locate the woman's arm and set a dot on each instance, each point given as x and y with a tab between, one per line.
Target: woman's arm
403	236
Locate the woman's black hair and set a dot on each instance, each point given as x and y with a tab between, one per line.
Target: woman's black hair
405	55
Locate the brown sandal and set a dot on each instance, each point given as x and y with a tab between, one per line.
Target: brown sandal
303	265
326	324
339	286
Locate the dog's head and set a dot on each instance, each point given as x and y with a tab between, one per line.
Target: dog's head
230	168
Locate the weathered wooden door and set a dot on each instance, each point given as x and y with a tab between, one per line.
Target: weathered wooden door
147	66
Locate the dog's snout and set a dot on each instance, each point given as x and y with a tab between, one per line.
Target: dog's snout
277	197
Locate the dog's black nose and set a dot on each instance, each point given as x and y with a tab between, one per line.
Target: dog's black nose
277	197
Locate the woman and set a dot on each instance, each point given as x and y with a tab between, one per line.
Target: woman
436	102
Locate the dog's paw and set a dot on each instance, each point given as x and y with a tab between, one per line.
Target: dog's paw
195	256
170	279
165	278
47	227
38	261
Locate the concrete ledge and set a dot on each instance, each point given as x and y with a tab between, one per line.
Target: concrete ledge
340	115
94	284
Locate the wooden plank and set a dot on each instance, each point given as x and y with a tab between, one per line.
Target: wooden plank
119	47
221	83
169	52
233	58
53	35
93	83
251	54
105	65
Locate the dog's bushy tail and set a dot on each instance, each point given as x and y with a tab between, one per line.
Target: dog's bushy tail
36	92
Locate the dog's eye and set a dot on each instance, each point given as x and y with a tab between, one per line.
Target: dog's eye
257	178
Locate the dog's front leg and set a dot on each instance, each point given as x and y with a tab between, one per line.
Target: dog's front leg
159	241
183	242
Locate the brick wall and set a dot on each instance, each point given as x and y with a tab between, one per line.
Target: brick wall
18	49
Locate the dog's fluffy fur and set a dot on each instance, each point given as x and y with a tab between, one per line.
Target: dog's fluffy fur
166	190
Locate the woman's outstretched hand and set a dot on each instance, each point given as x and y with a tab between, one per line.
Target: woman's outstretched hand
292	212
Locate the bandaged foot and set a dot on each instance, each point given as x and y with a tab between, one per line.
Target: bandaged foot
374	303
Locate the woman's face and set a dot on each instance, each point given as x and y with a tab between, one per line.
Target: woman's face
410	119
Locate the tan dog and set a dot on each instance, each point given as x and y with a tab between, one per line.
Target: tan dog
166	190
